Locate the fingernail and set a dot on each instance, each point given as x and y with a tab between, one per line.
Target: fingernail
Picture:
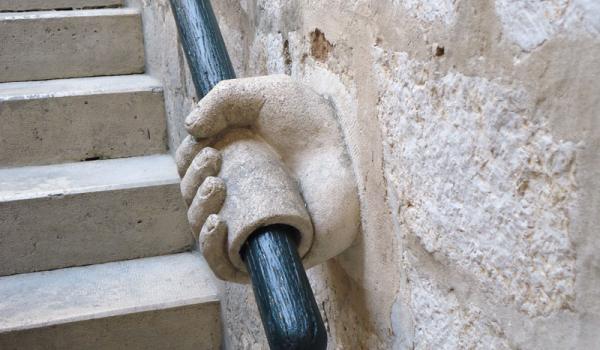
207	189
211	225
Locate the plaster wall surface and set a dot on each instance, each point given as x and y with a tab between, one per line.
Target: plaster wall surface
474	134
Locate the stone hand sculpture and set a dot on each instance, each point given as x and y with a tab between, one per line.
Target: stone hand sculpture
263	151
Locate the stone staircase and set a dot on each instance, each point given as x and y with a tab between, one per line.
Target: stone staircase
94	241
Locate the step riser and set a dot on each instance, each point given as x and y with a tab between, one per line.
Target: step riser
62	129
31	5
192	327
80	229
64	44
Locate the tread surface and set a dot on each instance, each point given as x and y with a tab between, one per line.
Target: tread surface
166	302
85	177
80	293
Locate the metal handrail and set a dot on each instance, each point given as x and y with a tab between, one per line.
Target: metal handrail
286	302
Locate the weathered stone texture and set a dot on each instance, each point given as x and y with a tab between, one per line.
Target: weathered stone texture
479	162
441	322
479	181
531	23
429	10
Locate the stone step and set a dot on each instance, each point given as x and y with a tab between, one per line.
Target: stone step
66	44
90	212
54	121
166	302
35	5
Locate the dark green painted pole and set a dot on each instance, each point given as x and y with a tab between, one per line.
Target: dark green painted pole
288	309
285	299
202	43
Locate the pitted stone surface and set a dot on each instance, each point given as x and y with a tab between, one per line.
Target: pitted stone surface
428	10
479	180
441	322
531	23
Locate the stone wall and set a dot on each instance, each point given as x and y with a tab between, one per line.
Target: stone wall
475	133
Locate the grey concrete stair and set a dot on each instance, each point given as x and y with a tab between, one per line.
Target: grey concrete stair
53	121
66	44
167	302
33	5
90	212
94	254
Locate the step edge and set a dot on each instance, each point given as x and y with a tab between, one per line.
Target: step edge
146	83
204	300
163	179
86	190
58	14
27	8
188	268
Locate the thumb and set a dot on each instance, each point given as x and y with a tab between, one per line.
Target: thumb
233	103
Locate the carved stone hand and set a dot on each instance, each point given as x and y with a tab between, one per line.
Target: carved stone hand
287	123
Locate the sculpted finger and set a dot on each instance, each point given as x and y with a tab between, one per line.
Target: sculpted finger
208	200
187	151
206	163
232	103
213	245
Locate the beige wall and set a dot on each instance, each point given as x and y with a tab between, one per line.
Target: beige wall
474	130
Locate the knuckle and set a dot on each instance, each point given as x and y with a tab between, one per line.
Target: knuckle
211	186
212	225
207	158
210	152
